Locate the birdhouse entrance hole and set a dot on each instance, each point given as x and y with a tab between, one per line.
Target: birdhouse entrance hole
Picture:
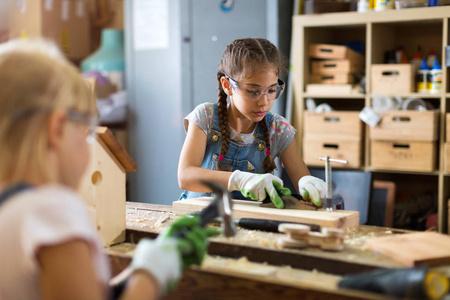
96	178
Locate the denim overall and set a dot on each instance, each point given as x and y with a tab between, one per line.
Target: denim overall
248	158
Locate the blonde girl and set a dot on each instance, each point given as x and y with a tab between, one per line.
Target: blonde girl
50	250
235	142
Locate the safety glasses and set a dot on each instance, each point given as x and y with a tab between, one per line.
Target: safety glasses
91	121
254	92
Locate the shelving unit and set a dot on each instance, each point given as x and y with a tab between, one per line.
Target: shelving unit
380	31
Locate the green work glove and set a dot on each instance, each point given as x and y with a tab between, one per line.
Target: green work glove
194	244
312	189
258	186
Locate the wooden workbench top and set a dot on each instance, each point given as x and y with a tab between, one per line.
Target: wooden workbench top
258	246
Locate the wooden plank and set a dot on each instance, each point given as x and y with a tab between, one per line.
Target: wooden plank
337	219
413	249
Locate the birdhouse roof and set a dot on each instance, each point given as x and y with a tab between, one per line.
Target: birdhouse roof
114	146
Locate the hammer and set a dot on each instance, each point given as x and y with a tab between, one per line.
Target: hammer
221	206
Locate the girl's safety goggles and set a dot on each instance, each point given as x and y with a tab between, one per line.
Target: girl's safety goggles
254	92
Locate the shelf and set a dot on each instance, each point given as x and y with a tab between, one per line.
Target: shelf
434	173
378	32
360	96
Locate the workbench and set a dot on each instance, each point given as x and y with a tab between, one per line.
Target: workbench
251	265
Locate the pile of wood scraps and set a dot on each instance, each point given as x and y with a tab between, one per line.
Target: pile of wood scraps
299	236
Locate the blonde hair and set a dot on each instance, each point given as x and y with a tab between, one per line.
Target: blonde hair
36	79
242	57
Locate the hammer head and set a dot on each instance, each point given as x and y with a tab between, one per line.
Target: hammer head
221	207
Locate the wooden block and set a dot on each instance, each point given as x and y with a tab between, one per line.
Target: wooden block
407	125
340	78
330	239
337	219
349	149
392	79
403	155
334	124
329	51
335	66
414	249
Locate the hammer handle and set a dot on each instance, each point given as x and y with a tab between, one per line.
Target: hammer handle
269	225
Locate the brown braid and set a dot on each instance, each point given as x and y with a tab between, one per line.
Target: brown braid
268	163
223	122
242	57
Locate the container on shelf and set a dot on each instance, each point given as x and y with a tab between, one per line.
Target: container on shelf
422	78
409	125
349	149
392	79
403	155
434	82
109	59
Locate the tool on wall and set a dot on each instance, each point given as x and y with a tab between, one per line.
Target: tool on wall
335	201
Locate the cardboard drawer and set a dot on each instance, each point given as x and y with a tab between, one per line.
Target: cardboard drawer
346	149
404	156
407	125
333	124
329	51
335	66
392	79
332	78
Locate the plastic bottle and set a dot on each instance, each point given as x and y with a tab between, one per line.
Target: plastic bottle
416	60
431	57
109	59
434	83
422	78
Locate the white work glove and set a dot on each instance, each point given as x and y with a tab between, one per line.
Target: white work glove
160	258
312	189
258	186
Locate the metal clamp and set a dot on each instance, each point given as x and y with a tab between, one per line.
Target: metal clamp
329	201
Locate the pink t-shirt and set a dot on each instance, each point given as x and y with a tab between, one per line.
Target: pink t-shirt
46	215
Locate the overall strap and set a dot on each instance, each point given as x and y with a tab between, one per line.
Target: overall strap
12	190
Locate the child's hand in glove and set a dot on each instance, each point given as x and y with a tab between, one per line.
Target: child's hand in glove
258	186
312	189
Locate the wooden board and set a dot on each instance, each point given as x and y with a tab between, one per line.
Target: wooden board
413	249
241	209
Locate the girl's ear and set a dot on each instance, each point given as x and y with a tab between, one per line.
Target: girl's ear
55	128
226	86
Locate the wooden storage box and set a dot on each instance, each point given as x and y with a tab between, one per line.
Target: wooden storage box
407	125
335	66
392	79
334	124
447	158
329	51
402	155
447	127
332	78
339	148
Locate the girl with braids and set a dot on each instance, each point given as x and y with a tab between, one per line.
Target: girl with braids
235	143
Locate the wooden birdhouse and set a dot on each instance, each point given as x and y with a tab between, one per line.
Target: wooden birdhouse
103	186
